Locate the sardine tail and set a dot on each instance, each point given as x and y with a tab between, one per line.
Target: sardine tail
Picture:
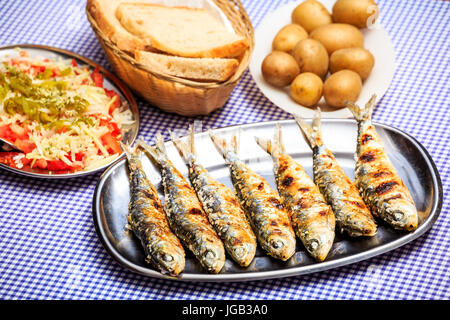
273	147
312	133
133	156
127	149
223	146
158	151
265	144
364	113
278	138
184	148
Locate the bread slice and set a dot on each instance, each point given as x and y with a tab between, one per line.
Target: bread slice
104	14
205	69
180	31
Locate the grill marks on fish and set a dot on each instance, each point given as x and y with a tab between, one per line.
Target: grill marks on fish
365	138
185	213
221	206
368	156
148	221
385	187
287	181
262	205
381	187
352	215
312	219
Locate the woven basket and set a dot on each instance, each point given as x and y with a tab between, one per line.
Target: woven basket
174	94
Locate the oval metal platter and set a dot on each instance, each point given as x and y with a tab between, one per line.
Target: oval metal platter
110	81
413	163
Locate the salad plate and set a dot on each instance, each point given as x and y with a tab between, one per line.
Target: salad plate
108	81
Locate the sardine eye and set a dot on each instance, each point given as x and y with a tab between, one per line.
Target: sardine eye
239	251
313	244
167	258
398	216
276	244
210	255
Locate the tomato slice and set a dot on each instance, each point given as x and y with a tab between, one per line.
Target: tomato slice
19	132
117	103
41	163
111	143
57	165
37	69
97	77
112	126
56	72
25	145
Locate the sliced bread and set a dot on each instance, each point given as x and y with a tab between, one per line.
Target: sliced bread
180	31
205	69
104	14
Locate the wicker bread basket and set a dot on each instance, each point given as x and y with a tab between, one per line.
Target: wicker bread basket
174	94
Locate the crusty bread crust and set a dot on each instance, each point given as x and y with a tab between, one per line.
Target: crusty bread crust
104	14
183	27
233	49
206	69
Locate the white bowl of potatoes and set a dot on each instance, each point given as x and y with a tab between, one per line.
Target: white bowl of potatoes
322	53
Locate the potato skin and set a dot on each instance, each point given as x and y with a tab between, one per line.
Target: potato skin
337	36
355	12
306	89
342	86
311	14
279	68
311	56
287	37
359	60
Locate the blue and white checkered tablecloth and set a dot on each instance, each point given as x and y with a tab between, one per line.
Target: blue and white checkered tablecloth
48	245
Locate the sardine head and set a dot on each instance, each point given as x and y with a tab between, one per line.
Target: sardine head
172	264
281	247
244	253
403	218
319	244
213	260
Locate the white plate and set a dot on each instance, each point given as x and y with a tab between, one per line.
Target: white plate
376	40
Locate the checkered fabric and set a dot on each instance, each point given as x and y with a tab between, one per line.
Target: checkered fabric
48	245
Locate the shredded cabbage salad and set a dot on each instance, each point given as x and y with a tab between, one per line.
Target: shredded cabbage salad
59	114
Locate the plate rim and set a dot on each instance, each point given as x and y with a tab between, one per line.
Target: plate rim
119	84
280	273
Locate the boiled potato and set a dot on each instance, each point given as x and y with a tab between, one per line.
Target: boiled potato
311	56
337	36
311	14
279	68
360	13
342	86
356	59
287	37
306	89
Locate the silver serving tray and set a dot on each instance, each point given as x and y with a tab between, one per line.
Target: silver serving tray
414	164
110	81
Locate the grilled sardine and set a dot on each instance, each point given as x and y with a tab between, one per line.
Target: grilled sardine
147	220
219	202
185	213
311	217
352	214
376	178
260	202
